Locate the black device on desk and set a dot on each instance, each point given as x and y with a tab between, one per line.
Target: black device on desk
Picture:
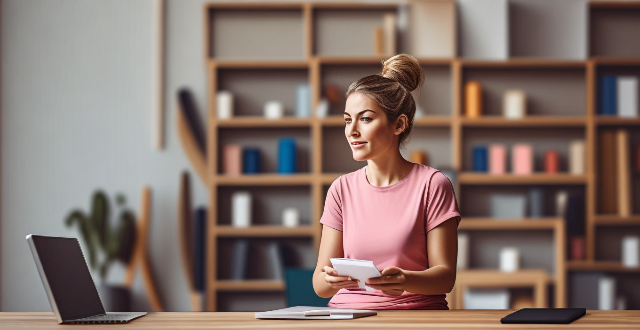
544	316
70	288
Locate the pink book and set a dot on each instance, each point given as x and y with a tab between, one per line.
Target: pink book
522	162
232	159
497	159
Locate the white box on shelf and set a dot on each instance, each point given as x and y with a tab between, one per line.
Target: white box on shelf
463	251
290	217
322	110
627	90
606	293
509	259
224	104
514	104
273	110
486	299
241	209
631	251
508	206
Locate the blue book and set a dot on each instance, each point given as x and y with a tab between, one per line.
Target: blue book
536	202
303	101
480	163
199	266
608	95
287	156
251	161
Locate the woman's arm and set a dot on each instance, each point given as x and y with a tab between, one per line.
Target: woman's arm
325	280
442	250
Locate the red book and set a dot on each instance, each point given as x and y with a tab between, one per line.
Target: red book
551	161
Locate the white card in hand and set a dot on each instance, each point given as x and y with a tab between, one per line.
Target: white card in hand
360	270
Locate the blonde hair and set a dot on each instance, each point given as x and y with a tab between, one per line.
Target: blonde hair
391	89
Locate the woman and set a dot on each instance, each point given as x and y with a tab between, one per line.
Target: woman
402	216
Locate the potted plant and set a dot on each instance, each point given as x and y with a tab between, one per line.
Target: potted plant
107	244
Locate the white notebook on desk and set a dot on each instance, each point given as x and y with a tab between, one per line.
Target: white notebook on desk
315	313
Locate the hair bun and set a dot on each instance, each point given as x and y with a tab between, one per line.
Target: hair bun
404	69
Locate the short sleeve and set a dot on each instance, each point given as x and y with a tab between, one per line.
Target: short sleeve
441	202
332	214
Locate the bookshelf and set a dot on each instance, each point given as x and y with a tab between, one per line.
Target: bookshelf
300	46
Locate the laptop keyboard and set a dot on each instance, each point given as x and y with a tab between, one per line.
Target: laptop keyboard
104	318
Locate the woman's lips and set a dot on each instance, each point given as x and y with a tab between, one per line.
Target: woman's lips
357	145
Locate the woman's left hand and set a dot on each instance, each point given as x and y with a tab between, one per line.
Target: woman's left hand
391	282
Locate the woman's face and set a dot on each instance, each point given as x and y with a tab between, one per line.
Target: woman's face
367	129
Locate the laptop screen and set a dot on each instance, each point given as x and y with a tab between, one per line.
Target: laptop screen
69	279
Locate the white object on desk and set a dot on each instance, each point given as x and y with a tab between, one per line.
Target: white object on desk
360	270
224	104
509	259
241	209
290	217
273	110
631	251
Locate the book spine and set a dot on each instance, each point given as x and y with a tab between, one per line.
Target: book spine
608	95
200	249
551	162
536	203
624	173
480	159
577	157
473	99
607	177
287	156
240	257
627	97
251	161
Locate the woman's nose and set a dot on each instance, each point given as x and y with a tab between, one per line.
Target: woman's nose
352	130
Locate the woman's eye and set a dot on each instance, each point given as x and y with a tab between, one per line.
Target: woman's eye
367	119
347	120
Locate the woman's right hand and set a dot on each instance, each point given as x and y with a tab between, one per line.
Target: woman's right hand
339	282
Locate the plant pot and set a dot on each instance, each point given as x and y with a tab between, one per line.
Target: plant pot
115	298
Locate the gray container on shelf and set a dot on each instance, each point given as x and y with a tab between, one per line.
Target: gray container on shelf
508	206
536	203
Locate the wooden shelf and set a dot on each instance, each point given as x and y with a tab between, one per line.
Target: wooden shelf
252	5
492	278
264	179
253	64
249	285
615	220
469	223
604	266
263	122
615	120
265	231
617	61
470	178
523	63
531	121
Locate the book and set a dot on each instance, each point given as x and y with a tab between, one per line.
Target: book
315	313
239	259
389	26
624	173
607	177
275	263
627	93
479	159
607	95
536	203
497	159
251	161
551	162
200	249
577	157
575	215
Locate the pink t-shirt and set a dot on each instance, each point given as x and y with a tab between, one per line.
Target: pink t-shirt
388	225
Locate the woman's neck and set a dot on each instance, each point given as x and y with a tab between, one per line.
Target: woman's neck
385	171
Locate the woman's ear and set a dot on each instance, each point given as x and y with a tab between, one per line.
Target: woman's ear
401	124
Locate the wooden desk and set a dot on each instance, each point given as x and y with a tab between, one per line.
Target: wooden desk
454	319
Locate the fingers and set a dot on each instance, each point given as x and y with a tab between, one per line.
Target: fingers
390	271
330	271
383	280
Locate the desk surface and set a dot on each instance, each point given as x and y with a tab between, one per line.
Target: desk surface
454	319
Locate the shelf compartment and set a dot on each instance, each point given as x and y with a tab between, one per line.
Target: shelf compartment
434	141
236	32
605	266
551	90
529	121
470	178
483	29
471	223
265	231
613	29
263	122
435	97
249	285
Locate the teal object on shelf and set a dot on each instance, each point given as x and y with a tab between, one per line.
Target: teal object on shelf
287	156
299	288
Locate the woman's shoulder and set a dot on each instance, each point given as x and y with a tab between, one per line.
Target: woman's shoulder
430	176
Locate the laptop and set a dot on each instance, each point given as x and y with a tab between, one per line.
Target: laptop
70	288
